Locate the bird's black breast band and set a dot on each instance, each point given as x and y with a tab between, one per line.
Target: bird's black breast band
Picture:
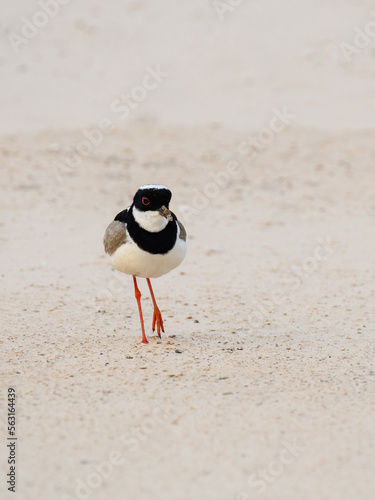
156	243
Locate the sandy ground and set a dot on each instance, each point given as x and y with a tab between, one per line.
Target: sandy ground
263	384
230	67
257	370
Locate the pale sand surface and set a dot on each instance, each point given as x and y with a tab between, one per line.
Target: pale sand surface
234	70
240	389
272	395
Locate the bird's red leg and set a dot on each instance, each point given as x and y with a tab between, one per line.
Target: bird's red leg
157	314
138	297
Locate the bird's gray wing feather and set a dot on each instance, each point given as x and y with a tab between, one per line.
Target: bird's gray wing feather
115	236
182	231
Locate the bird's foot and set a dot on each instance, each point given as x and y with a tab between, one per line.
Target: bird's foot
158	320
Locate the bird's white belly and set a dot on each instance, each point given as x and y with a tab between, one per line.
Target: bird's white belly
131	259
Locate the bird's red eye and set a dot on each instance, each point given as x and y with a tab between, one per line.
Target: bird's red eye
145	200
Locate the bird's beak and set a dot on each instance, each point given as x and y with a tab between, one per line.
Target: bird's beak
165	212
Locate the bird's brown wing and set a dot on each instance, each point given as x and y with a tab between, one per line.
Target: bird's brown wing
182	231
115	236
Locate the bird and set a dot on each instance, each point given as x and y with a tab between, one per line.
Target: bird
146	240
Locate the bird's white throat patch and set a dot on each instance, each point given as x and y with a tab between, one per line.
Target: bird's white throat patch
150	220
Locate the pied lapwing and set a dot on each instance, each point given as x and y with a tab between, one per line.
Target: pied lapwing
146	240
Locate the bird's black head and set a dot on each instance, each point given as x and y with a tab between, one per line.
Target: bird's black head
152	197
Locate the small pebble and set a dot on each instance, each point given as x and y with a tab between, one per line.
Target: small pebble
178	351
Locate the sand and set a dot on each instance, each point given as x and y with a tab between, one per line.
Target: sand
263	384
